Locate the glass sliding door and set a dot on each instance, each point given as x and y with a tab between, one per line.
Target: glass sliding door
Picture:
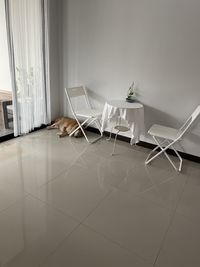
6	108
28	43
24	66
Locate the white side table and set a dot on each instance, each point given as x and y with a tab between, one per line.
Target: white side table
133	113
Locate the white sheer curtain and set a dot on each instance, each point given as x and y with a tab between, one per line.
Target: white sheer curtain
27	26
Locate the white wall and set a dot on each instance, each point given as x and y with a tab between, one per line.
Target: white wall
109	43
5	82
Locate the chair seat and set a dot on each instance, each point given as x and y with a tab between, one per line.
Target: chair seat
89	113
164	132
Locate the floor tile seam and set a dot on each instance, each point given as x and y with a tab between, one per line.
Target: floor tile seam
181	195
139	196
76	152
148	189
164	238
14	203
134	193
50	205
57	176
190	176
150	177
98	204
88	164
171	178
178	202
154	186
83	221
64	170
37	154
117	243
164	207
66	213
188	217
168	228
117	185
156	204
59	244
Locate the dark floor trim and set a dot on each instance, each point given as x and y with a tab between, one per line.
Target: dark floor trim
39	128
6	137
120	137
149	145
11	136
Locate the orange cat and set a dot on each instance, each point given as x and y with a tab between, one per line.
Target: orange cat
66	126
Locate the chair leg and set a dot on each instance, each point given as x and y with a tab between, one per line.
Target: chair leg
163	150
170	161
98	124
147	159
80	127
98	138
180	159
99	128
167	156
115	143
109	138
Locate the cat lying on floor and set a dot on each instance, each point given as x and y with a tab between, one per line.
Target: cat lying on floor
66	126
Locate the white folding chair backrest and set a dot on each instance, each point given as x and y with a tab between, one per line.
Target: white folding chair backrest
76	92
90	115
189	121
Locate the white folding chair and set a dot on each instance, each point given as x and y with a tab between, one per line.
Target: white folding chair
170	136
89	114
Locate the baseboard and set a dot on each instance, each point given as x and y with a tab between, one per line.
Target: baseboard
148	145
6	137
11	136
122	138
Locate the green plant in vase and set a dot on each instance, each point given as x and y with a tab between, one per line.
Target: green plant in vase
131	94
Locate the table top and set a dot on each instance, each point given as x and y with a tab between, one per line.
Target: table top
123	104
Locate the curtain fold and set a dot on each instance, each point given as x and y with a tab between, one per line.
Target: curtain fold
28	42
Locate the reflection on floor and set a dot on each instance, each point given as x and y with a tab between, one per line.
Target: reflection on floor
66	203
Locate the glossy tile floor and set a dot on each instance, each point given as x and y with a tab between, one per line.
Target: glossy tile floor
66	203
